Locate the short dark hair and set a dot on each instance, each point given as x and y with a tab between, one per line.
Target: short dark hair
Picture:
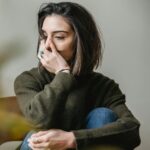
88	45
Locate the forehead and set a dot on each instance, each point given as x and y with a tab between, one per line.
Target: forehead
56	22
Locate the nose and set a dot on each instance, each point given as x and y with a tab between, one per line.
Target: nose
47	43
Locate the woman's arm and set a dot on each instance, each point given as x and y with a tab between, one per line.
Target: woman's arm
43	106
53	139
123	132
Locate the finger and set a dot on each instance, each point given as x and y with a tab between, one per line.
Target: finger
43	61
57	145
43	145
31	145
42	43
49	144
47	137
41	49
47	53
40	133
40	139
34	140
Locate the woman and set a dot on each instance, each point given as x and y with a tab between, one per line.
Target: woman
71	105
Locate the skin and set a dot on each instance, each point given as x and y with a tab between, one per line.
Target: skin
57	43
58	50
53	139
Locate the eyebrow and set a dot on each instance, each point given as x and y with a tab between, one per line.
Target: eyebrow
57	31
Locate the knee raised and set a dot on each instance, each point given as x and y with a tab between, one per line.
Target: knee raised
99	117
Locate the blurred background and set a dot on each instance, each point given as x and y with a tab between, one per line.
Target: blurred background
125	28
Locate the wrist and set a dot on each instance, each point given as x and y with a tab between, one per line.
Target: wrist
66	70
72	140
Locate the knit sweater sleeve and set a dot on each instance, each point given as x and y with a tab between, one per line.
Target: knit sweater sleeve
37	103
124	131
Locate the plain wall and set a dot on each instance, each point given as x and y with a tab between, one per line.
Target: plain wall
125	28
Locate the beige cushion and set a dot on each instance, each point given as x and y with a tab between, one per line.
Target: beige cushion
13	145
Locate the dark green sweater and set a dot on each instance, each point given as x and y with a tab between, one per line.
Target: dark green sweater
63	101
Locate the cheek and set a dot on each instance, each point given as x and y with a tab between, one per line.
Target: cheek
66	50
64	45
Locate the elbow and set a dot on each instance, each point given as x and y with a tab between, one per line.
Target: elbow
135	139
131	135
136	133
131	138
41	124
38	122
134	136
36	117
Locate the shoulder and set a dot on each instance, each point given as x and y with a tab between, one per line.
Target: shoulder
33	76
105	84
100	78
105	90
26	78
29	74
35	73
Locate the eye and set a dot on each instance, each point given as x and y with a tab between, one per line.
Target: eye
60	37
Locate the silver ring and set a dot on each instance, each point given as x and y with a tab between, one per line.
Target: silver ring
35	140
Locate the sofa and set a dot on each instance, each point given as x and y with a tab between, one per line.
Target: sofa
14	126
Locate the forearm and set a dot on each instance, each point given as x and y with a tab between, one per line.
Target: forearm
41	106
124	132
71	141
128	138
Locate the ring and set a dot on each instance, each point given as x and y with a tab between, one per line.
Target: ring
35	140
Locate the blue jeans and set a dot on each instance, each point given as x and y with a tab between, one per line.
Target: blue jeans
97	118
24	145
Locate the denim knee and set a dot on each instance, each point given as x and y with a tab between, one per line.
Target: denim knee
100	117
24	145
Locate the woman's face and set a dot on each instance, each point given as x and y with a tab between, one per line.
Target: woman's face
56	29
